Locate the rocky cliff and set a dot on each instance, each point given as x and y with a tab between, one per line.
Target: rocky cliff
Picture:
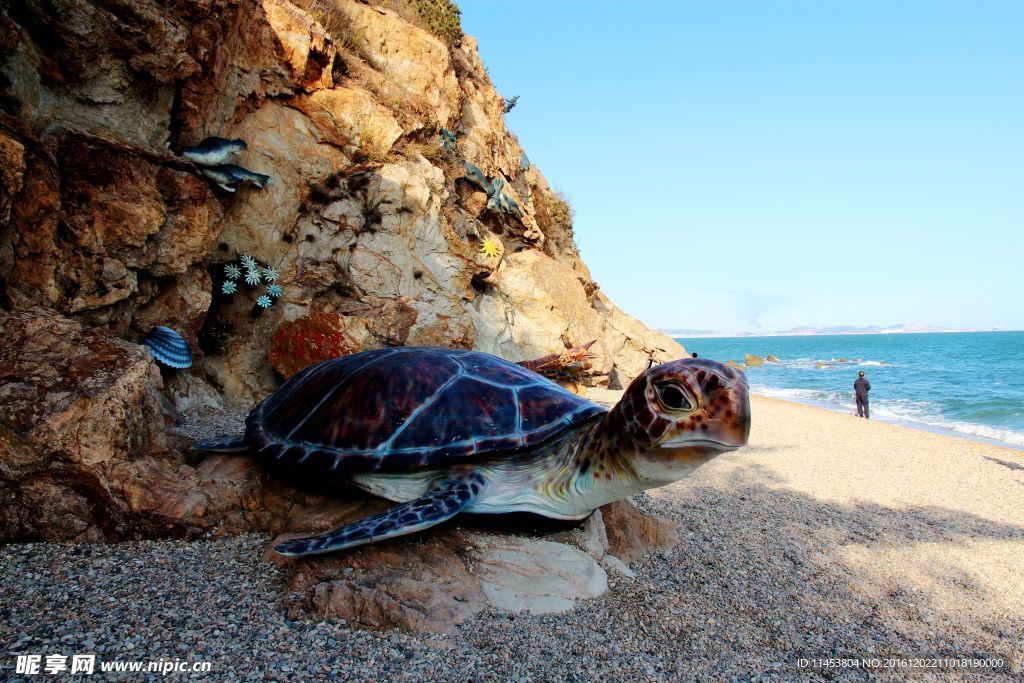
398	204
366	215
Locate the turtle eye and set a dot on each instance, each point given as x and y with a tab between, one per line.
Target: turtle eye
674	398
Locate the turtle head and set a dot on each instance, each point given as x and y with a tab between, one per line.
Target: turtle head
681	414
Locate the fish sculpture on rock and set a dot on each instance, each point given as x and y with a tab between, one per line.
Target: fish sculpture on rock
448	140
210	155
227	176
214	151
497	201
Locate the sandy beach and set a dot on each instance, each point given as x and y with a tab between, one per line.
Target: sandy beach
828	537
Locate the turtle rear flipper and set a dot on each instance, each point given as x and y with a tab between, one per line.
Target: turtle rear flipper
439	504
231	443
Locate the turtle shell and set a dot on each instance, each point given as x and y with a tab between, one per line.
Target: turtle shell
405	409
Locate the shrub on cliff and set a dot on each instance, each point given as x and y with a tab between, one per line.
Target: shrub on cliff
336	23
443	18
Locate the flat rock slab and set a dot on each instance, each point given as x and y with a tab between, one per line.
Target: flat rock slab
434	582
540	577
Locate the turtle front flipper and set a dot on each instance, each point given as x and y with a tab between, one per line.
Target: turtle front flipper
232	443
442	502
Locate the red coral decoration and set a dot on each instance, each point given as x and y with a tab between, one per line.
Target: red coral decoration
566	365
315	338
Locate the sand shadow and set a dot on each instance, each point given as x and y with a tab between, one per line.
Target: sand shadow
1005	463
802	577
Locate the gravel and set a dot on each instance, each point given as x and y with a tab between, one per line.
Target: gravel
753	585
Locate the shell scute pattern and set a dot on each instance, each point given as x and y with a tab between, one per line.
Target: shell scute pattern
484	368
406	409
537	408
370	408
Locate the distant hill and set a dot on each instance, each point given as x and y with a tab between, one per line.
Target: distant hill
909	328
870	329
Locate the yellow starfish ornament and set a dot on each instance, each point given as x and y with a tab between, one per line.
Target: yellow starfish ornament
490	248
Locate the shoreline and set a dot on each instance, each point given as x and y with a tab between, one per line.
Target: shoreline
905	423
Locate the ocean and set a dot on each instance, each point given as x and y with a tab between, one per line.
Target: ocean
969	384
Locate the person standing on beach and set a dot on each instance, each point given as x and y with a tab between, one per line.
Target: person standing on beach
862	387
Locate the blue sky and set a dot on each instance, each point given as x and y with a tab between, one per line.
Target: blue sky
762	165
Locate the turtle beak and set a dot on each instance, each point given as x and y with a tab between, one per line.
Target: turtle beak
697	442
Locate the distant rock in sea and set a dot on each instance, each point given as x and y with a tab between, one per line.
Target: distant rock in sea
753	361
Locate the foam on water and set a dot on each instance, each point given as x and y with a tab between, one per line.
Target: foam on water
969	384
906	413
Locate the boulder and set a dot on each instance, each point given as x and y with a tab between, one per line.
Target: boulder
12	173
437	580
363	215
632	533
536	576
619	567
594	535
771	359
81	411
409	57
551	304
752	361
306	49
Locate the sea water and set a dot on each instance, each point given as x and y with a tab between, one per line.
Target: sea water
967	383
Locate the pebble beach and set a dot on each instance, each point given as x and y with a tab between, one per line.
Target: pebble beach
828	537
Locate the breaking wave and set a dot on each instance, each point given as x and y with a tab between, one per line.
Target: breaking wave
922	414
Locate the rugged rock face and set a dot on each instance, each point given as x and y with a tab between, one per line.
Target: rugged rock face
366	215
81	409
369	221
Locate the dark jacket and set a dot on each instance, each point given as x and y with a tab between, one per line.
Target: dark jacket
862	387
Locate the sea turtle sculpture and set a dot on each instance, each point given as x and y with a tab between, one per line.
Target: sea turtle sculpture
444	431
